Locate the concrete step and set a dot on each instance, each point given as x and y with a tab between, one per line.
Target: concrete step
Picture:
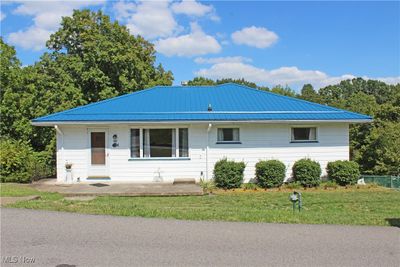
184	181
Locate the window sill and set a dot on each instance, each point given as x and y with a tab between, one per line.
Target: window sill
228	142
158	158
314	141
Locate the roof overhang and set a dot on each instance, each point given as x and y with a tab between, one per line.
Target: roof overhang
53	123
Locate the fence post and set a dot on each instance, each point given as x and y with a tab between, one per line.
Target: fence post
391	181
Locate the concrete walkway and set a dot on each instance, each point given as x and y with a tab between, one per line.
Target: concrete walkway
118	189
55	238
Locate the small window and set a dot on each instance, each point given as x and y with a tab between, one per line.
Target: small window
304	134
183	143
135	143
228	135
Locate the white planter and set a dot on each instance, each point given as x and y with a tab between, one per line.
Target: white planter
68	176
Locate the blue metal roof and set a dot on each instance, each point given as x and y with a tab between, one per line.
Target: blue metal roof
229	102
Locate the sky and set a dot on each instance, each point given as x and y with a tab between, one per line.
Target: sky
269	43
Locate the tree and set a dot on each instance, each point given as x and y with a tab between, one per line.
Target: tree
201	81
286	91
361	103
382	150
373	145
308	93
106	60
207	81
91	59
10	67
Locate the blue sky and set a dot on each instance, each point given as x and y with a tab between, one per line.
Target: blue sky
287	43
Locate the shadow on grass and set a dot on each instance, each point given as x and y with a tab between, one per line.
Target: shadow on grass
393	221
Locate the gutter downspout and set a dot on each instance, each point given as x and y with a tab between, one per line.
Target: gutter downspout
58	130
207	148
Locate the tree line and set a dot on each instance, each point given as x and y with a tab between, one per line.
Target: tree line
91	58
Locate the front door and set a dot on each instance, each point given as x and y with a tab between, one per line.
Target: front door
98	158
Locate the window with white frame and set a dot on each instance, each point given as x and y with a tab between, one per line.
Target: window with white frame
135	143
159	143
228	135
304	134
183	142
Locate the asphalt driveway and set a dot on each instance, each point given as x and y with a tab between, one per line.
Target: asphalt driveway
56	238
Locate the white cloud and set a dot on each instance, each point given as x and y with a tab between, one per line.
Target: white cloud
390	80
150	19
196	43
2	16
216	60
292	76
155	19
123	10
32	38
255	36
194	9
46	20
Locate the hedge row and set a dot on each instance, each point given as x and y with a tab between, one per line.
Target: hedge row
271	173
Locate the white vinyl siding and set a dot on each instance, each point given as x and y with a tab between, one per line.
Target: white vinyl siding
257	142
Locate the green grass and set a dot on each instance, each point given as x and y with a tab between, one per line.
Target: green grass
364	206
17	190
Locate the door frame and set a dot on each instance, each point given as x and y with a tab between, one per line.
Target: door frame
98	170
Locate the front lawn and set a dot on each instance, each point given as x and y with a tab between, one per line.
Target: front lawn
364	206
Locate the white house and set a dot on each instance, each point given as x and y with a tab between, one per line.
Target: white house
170	132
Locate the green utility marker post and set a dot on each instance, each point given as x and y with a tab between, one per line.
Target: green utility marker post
296	198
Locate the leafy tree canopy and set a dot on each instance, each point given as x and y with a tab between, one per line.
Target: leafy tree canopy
105	59
207	81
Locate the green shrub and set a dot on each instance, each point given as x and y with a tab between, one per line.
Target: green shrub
343	172
270	173
228	174
20	164
15	161
43	164
307	172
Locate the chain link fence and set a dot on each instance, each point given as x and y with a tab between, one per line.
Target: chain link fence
383	180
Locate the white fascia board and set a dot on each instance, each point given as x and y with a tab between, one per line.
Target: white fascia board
195	122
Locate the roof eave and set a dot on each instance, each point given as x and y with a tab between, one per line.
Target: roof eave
53	123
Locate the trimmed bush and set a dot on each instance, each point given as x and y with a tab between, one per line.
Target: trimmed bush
343	172
307	172
270	173
228	174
